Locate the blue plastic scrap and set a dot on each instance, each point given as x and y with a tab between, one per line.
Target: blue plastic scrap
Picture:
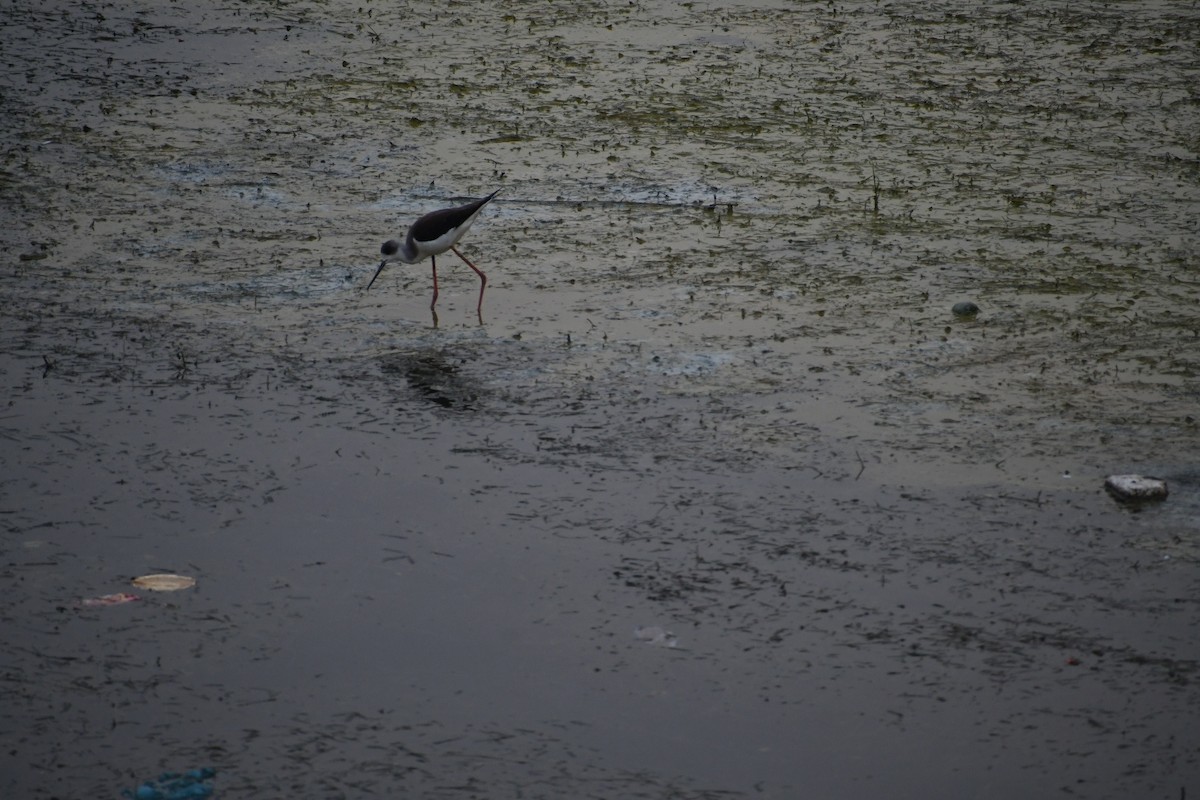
190	785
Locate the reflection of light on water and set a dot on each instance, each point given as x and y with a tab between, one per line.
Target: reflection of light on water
690	363
281	285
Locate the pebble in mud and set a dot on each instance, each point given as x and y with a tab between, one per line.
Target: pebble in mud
966	309
1135	488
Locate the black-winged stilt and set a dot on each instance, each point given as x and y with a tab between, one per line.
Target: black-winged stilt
437	232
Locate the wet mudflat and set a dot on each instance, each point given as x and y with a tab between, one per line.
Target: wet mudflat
720	500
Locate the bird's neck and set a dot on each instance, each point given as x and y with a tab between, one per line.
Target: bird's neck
408	251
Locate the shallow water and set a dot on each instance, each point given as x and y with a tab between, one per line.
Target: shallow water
718	392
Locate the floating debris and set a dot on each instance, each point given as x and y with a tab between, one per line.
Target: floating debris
1135	488
164	582
109	600
653	634
175	786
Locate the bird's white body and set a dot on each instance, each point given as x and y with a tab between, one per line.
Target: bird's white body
440	244
415	249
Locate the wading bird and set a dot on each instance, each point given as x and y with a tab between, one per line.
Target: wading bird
434	233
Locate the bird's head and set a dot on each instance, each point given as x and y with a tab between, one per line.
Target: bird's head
390	250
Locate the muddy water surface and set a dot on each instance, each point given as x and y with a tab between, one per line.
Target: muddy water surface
719	500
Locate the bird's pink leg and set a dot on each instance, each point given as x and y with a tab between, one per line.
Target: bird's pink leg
433	302
482	278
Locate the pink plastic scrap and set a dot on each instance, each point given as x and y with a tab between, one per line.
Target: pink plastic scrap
110	599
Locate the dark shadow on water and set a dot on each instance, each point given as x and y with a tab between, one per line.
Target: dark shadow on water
435	376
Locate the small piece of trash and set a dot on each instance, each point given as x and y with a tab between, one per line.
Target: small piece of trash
164	582
190	785
109	600
653	634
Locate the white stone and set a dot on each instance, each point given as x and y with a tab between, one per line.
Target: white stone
1136	487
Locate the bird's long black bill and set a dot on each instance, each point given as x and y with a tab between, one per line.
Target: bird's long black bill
381	266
